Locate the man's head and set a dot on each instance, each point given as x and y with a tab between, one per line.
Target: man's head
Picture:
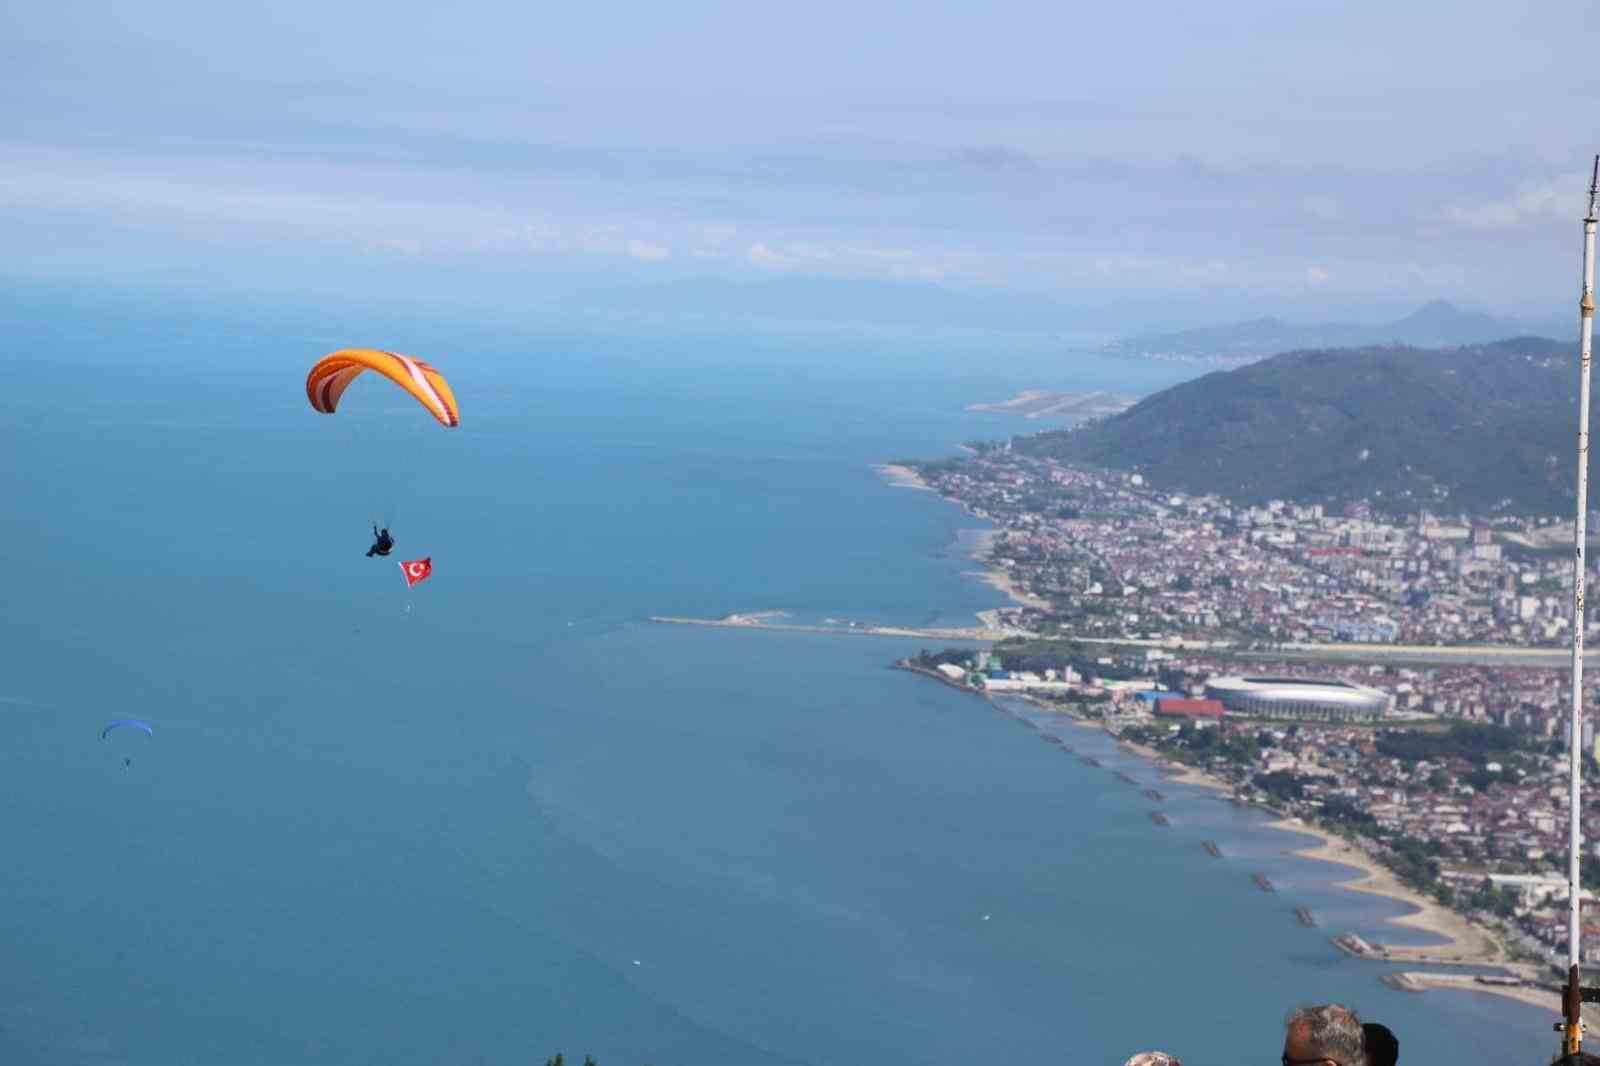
1326	1035
1383	1049
1153	1058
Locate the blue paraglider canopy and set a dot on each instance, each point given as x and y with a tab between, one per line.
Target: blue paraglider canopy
129	723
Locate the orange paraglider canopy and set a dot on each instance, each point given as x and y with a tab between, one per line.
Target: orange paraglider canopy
334	373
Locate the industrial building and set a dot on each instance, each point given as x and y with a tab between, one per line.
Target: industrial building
1207	712
1298	698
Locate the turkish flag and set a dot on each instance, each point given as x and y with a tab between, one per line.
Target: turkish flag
417	570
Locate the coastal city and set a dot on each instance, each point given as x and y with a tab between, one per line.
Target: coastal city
1189	628
1102	554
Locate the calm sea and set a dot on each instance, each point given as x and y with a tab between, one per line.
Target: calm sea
503	815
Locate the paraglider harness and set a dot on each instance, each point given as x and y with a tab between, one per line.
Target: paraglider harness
384	545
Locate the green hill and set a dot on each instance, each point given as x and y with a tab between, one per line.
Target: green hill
1482	428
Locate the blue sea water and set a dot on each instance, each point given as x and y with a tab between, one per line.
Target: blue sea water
503	815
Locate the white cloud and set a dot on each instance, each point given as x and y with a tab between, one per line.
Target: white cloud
1533	202
1316	275
648	251
1127	268
763	256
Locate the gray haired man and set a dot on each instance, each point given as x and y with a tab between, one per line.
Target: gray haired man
1326	1035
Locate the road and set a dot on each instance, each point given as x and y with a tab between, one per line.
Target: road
1434	654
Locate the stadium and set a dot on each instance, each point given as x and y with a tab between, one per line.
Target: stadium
1298	698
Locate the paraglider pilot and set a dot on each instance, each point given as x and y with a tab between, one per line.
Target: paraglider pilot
384	543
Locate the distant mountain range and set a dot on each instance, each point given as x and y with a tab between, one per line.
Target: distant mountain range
1478	429
1435	325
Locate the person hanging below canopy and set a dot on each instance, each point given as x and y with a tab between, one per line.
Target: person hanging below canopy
383	543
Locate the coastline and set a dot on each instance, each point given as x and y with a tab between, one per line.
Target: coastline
1177	771
902	477
1543	998
1465	943
1002	582
997	578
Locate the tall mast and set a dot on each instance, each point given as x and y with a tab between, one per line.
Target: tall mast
1573	1025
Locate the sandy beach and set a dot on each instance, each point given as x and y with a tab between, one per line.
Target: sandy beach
1002	581
1467	943
998	578
1183	775
902	477
1533	996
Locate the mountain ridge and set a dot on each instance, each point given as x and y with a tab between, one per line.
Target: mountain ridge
1437	323
1483	428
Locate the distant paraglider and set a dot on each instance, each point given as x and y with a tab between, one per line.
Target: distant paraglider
128	723
326	382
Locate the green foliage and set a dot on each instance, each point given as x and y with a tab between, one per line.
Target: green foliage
1345	811
1415	862
1501	902
930	660
1280	785
1146	734
1464	428
1046	654
1061	651
1237	747
1477	742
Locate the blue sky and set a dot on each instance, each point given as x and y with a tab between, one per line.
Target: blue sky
1237	158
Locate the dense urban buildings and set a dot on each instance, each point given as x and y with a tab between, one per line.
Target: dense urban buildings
1104	554
1454	775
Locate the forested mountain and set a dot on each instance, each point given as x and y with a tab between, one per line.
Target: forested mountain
1483	428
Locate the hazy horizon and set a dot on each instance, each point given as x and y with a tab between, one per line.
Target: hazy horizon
1141	162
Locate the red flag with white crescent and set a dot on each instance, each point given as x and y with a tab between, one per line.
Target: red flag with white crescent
417	570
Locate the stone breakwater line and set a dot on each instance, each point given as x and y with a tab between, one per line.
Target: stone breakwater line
1466	943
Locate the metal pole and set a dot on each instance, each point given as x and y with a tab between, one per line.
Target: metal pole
1573	1024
